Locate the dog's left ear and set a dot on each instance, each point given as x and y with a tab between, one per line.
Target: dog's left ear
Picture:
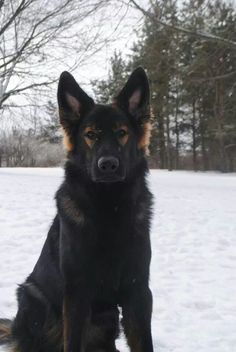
135	95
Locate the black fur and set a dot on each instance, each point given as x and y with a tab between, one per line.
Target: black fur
97	253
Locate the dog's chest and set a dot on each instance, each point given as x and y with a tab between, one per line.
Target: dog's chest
113	252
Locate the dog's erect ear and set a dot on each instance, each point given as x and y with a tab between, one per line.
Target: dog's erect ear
73	102
134	99
135	95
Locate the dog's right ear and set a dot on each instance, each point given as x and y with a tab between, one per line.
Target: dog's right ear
73	102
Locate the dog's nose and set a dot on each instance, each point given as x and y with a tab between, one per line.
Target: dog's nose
108	164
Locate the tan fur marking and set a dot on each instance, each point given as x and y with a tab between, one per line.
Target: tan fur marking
121	127
66	141
145	138
132	335
89	128
89	141
134	342
123	140
54	334
65	326
5	332
14	347
72	211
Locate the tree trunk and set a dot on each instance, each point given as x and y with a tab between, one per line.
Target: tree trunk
194	142
205	164
177	140
161	141
219	118
169	153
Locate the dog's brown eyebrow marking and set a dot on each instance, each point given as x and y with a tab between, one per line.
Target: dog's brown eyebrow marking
121	126
124	139
90	142
89	128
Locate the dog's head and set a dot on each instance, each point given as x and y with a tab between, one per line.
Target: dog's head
105	142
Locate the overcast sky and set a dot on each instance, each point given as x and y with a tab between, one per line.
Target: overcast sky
125	23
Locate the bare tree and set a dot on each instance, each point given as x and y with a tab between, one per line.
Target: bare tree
38	37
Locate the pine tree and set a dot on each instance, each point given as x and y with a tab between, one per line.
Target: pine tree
106	90
192	80
50	129
156	52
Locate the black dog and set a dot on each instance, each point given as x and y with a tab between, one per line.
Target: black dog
97	253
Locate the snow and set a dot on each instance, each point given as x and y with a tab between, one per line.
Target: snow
193	271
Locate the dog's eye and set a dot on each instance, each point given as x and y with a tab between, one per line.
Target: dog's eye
121	133
91	135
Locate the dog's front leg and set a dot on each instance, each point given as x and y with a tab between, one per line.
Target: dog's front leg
74	260
76	312
137	311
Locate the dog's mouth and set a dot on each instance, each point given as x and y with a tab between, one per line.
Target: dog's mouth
109	178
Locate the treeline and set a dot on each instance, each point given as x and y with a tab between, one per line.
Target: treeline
189	52
193	83
39	146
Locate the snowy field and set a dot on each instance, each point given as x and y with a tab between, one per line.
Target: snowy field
193	273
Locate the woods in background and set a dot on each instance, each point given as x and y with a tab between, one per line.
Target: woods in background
193	82
188	49
38	146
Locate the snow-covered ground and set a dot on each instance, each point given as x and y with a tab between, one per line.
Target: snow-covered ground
193	272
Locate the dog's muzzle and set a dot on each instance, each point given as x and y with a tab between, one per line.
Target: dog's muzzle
108	169
108	164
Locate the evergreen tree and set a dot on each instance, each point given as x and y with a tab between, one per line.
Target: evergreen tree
209	83
156	51
106	90
50	129
193	91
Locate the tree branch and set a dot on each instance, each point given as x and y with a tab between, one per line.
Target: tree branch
19	9
214	78
20	90
200	34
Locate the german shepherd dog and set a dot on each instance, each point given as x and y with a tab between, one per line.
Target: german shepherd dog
97	254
